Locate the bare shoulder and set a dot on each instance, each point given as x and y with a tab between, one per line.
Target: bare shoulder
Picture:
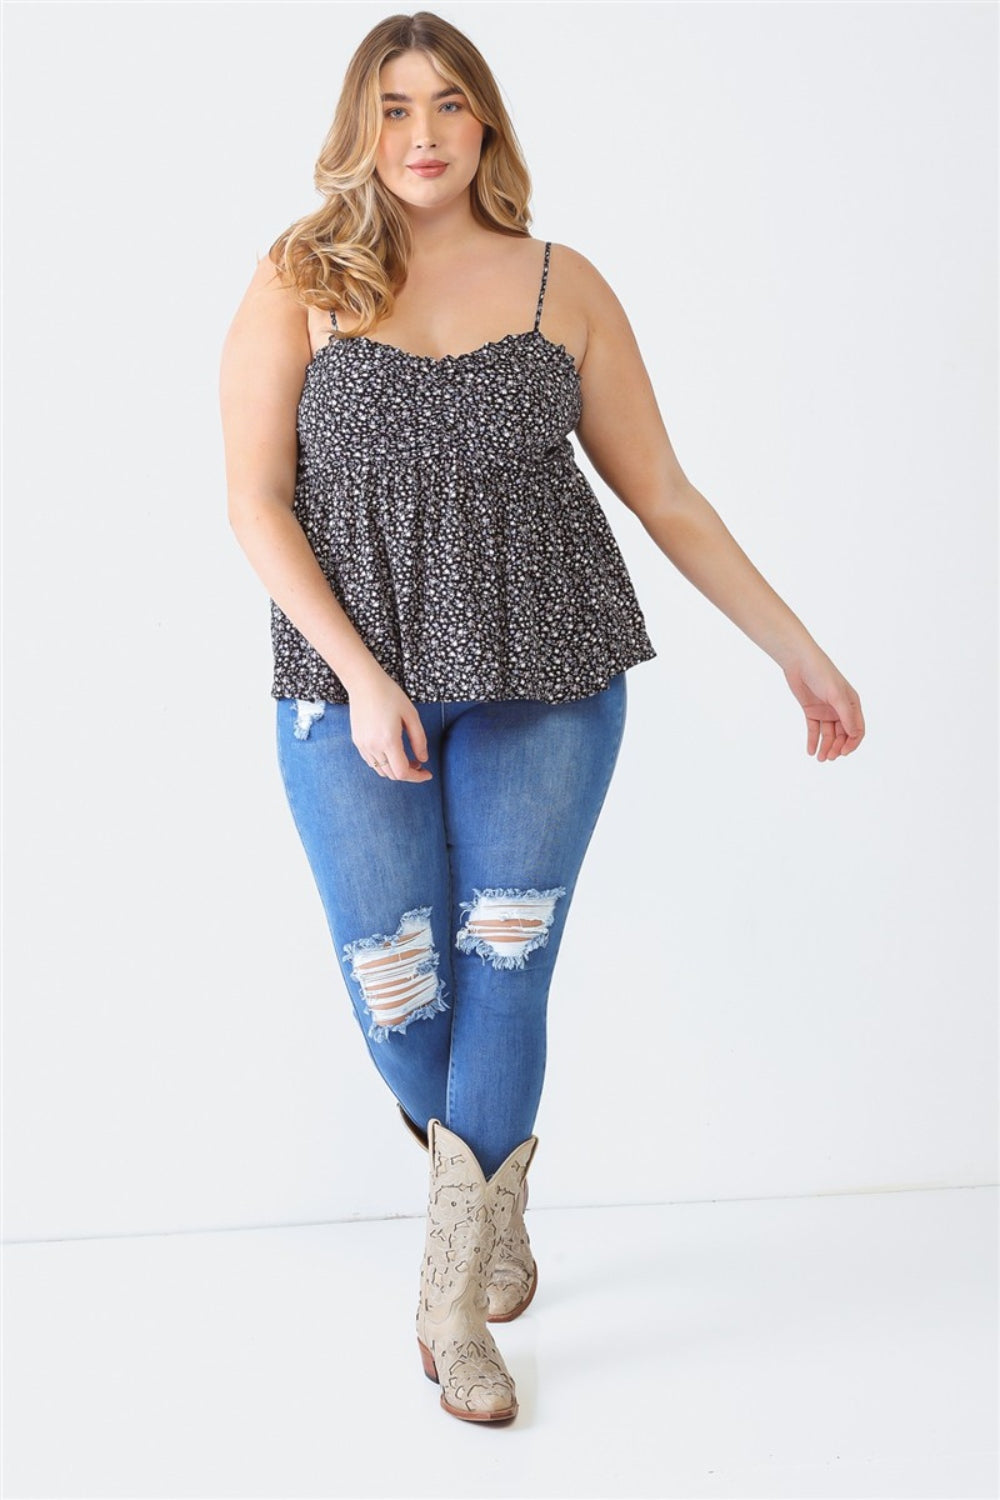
261	377
267	281
589	306
583	283
270	319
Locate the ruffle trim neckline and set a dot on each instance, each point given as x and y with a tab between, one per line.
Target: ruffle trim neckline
431	360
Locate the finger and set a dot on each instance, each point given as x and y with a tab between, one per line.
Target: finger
378	761
849	713
829	738
418	736
380	764
854	740
394	759
418	743
812	736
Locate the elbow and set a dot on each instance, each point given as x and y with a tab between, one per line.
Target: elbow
247	508
665	504
235	515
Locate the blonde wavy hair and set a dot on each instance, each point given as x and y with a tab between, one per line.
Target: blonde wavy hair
354	251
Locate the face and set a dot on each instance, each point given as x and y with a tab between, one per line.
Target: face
433	122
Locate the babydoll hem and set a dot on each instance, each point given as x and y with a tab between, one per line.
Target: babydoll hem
322	693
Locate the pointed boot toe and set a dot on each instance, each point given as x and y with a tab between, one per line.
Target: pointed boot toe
508	1299
474	1381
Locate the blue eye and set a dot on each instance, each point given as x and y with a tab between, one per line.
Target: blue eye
398	108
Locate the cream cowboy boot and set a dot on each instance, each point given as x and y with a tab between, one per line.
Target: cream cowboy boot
465	1214
513	1274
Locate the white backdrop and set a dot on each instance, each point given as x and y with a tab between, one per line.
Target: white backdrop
778	977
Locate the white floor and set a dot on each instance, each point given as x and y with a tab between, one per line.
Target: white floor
834	1346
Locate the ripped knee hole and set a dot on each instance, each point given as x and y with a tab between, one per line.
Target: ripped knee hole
504	924
398	974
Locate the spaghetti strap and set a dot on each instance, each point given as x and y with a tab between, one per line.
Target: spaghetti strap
545	277
541	292
407	461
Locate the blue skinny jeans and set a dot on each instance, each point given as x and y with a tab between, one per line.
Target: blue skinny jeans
447	899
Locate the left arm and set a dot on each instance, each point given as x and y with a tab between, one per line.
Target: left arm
645	475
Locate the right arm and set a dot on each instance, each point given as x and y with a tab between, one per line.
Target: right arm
264	358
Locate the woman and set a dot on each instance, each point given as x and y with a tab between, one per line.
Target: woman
452	619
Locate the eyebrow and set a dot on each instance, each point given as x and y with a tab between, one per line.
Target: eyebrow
405	98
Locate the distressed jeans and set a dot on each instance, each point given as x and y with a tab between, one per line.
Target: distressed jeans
447	899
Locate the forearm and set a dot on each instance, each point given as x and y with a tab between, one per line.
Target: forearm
272	538
691	533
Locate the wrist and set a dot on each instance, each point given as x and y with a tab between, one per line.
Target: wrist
360	673
793	654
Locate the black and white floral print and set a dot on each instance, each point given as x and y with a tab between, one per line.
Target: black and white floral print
444	504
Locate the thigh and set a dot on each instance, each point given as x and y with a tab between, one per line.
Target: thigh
377	851
524	783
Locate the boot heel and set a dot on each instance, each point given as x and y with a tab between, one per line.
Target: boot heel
427	1359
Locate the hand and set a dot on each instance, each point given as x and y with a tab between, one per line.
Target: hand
380	711
831	706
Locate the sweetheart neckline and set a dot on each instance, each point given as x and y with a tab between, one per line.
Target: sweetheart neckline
446	359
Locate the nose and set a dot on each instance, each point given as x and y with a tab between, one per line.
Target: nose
423	129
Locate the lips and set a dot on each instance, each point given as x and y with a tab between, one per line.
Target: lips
428	168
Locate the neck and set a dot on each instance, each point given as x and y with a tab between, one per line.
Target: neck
438	231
